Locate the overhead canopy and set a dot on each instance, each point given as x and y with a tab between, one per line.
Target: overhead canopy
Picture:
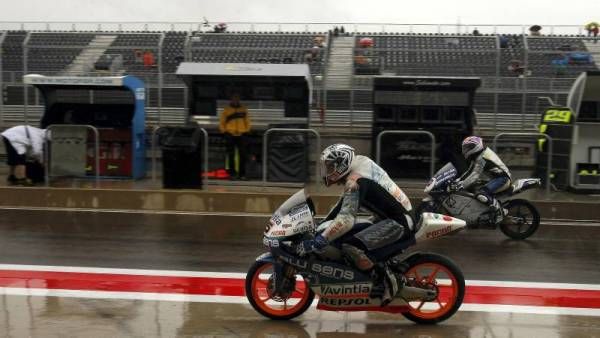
209	82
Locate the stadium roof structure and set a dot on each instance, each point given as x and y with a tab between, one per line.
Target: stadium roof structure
296	73
246	69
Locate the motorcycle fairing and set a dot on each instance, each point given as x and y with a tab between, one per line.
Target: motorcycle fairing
465	206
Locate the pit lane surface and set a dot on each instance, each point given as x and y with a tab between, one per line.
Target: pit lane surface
556	254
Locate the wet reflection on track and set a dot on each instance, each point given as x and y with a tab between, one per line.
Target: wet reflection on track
24	316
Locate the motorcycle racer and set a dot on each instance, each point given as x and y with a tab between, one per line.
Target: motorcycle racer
485	167
367	187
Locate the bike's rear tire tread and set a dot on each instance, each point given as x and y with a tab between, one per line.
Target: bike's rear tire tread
534	224
460	280
248	285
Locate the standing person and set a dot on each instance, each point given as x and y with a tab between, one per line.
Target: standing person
22	142
235	124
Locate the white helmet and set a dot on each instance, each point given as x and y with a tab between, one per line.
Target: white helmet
472	145
335	162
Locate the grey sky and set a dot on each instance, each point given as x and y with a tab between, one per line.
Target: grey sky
396	11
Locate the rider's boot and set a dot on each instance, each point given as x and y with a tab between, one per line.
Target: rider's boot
494	205
385	284
380	288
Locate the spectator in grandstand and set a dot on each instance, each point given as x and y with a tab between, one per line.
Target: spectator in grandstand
592	30
149	61
23	144
235	125
504	41
342	30
220	27
535	30
517	67
476	32
336	31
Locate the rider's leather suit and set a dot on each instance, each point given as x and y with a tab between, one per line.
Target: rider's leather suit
487	167
368	188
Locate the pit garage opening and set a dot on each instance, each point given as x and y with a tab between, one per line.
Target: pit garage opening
113	105
440	105
277	95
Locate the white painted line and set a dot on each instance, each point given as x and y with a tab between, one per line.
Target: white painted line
557	221
542	310
136	272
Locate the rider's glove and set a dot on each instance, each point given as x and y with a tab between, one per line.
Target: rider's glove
311	245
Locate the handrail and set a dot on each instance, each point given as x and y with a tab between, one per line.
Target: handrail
407	132
550	141
96	148
265	153
205	151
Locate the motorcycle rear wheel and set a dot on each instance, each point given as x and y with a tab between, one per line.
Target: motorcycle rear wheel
440	273
522	219
260	294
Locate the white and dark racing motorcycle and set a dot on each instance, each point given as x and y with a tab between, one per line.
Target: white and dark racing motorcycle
282	285
522	219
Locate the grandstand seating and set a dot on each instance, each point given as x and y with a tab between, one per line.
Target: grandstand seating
12	51
173	50
544	50
255	48
402	54
131	47
429	55
50	53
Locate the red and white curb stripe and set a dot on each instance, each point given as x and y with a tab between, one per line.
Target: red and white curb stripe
219	287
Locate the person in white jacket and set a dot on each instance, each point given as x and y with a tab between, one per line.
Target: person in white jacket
22	142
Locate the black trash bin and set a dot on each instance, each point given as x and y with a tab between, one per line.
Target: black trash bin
288	154
181	157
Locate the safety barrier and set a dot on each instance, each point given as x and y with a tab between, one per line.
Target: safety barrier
407	132
205	152
266	154
549	167
73	126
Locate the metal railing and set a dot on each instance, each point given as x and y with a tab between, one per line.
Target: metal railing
407	132
153	151
256	26
265	152
47	158
549	153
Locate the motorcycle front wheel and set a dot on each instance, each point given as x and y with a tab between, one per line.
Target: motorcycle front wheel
521	221
262	297
434	272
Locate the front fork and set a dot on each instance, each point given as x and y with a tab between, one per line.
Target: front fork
282	273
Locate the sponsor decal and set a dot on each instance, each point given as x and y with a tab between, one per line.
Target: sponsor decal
303	214
439	232
346	301
302	227
270	242
295	261
286	225
277	233
332	272
345	289
276	219
447	218
140	94
297	209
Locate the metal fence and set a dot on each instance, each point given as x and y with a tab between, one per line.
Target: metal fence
381	27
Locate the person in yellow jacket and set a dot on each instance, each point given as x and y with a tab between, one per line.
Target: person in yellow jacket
235	124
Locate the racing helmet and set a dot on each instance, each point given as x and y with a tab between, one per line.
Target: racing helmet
335	162
472	145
